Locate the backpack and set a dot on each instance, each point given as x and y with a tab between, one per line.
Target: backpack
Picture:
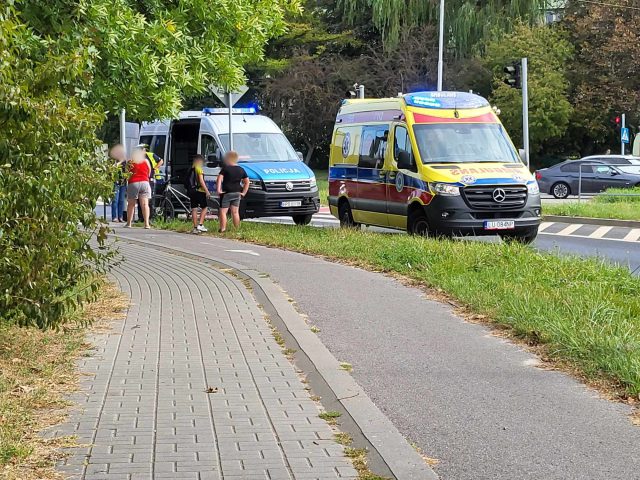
191	180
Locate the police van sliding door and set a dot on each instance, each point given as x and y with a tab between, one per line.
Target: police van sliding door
182	147
371	203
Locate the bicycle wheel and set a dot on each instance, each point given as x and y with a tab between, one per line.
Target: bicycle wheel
166	210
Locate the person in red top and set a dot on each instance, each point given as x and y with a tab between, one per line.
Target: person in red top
138	187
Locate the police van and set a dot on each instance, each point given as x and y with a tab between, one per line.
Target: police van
431	163
280	183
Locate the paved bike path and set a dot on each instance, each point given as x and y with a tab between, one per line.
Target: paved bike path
192	385
475	402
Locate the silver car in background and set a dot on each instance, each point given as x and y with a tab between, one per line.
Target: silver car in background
598	172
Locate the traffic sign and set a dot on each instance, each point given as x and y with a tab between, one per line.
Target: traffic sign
223	95
624	135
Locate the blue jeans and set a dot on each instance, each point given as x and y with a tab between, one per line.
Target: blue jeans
117	205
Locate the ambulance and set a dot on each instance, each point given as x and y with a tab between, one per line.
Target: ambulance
280	183
430	163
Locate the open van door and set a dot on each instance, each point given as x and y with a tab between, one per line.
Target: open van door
182	146
212	152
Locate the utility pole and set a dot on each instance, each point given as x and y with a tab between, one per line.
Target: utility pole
525	109
441	47
624	121
230	96
123	131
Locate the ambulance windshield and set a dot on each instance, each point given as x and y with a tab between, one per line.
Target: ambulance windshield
260	147
464	143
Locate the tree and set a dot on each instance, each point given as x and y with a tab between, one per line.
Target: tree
469	24
605	73
63	65
548	52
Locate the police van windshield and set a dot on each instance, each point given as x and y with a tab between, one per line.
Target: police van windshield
259	147
464	143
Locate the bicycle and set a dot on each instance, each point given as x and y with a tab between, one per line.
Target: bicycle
171	203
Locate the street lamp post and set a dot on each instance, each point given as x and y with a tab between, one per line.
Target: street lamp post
441	47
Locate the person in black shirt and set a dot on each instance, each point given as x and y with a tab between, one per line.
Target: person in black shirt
232	185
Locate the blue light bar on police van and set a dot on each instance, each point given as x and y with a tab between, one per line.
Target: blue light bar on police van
445	100
219	111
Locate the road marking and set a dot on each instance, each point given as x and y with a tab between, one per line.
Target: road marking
569	229
544	225
633	235
600	232
248	252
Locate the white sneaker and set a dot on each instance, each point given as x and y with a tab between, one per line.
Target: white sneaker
196	231
202	228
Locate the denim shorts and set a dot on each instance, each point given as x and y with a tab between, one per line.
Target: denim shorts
231	199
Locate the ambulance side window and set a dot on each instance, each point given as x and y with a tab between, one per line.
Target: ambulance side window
401	142
373	146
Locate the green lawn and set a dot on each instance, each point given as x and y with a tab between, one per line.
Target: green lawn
323	185
585	312
601	206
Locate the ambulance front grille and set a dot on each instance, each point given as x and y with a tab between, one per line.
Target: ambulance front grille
481	197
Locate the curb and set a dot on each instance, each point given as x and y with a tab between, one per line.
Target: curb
606	222
399	458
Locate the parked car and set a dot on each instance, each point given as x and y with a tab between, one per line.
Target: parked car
599	172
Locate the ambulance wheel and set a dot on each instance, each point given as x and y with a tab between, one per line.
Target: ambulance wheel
346	217
526	237
302	219
417	223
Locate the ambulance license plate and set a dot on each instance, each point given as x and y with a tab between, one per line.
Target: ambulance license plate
291	203
499	225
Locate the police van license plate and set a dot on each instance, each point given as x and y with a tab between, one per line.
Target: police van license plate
499	225
291	203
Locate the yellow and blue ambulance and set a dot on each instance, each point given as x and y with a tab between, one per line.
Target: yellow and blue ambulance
433	163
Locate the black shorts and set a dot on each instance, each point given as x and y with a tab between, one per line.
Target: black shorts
197	199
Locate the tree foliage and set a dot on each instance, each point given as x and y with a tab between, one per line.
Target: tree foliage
605	73
548	52
63	65
468	23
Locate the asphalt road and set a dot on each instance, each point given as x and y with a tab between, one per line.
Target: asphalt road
472	400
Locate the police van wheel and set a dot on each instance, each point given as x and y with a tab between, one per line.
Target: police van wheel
346	217
417	223
166	210
302	219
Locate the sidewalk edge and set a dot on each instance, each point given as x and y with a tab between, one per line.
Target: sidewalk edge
606	222
402	459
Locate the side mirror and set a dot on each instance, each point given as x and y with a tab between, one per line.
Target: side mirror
213	160
404	160
613	172
300	156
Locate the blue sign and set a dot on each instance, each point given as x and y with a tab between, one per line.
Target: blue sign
624	135
445	100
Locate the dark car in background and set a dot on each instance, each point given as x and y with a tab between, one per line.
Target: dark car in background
598	172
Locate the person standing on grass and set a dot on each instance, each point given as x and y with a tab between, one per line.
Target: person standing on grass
232	185
198	193
138	188
117	154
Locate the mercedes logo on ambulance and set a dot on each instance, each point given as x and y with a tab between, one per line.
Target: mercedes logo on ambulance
499	195
288	186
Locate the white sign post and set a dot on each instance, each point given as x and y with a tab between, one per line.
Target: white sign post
227	97
525	109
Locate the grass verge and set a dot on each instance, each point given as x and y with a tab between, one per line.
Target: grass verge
584	312
601	206
38	369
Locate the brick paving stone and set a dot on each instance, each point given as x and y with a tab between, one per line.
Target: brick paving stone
144	411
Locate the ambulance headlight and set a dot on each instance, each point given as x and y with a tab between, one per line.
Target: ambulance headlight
444	189
533	188
255	185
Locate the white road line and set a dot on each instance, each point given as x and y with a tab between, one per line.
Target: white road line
633	235
544	226
600	232
569	229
